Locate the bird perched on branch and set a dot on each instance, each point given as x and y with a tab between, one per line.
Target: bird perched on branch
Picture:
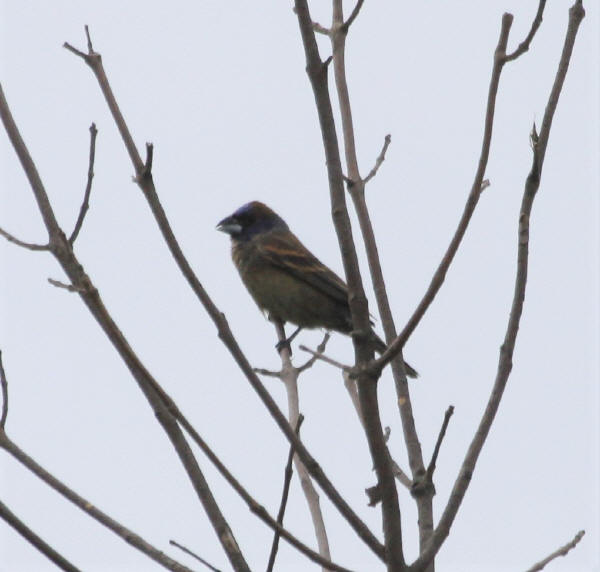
285	279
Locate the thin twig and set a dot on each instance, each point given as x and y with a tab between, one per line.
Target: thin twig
85	205
28	245
194	555
436	450
352	16
576	15
4	386
440	274
284	498
312	360
147	185
323	357
289	377
13	520
68	287
63	252
562	551
524	45
379	161
86	506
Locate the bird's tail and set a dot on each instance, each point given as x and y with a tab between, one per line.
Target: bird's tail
380	346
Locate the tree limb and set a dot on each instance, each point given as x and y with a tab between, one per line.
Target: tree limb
576	15
146	184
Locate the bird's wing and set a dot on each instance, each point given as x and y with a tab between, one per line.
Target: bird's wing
286	252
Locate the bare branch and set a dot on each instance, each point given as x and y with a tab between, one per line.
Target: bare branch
524	45
193	555
311	361
224	332
88	188
131	537
352	16
562	551
436	450
440	274
289	376
4	387
68	287
11	519
28	245
323	357
63	252
380	159
576	15
284	498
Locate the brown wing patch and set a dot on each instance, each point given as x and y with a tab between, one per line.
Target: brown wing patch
289	254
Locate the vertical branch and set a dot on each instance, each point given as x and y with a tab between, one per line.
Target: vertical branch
289	376
532	183
356	187
366	379
145	181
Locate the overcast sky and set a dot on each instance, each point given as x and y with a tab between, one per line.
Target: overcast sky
221	91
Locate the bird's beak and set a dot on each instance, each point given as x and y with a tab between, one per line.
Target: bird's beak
230	226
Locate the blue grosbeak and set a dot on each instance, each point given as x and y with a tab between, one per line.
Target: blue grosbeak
285	279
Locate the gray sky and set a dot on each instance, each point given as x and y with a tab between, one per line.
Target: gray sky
220	90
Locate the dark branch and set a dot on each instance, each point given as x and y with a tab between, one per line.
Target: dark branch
562	551
218	317
194	555
532	183
28	245
4	386
524	45
284	498
10	518
85	205
86	506
352	16
436	450
440	274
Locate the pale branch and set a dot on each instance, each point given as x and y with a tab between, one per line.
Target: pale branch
312	360
524	45
287	479
319	356
224	332
126	534
15	522
363	350
380	159
357	193
562	551
252	504
289	376
85	205
21	243
532	183
194	555
62	250
4	388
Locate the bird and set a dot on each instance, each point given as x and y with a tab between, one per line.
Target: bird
284	278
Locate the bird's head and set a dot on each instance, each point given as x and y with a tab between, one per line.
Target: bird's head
251	219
